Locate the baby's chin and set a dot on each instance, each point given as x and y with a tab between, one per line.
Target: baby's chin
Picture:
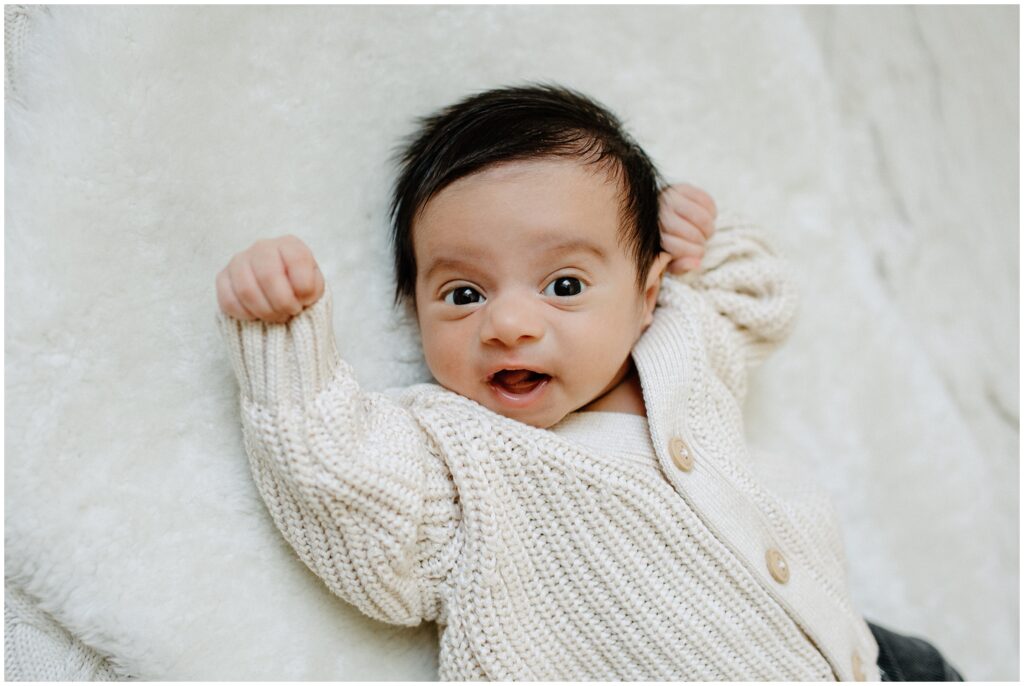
540	417
544	416
543	421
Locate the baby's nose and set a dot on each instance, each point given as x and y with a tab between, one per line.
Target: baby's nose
511	321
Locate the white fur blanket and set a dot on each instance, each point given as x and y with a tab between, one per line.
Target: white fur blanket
145	146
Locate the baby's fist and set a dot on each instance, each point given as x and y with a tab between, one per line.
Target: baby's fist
687	216
272	281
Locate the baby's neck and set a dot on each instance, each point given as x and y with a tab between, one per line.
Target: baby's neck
627	397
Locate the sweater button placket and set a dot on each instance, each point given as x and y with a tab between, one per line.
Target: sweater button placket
777	565
858	671
681	454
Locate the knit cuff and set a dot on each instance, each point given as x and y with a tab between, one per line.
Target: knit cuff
283	364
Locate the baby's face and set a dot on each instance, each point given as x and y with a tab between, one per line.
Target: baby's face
520	267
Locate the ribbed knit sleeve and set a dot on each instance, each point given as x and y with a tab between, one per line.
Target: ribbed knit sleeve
751	300
351	480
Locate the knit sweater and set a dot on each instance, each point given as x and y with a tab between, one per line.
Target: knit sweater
541	558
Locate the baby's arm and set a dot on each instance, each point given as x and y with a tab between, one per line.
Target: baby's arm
348	476
749	302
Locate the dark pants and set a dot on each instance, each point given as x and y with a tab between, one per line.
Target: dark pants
905	658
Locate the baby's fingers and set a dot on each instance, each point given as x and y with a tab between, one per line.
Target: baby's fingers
675	225
684	264
247	288
689	211
699	196
227	299
270	273
686	255
307	282
318	289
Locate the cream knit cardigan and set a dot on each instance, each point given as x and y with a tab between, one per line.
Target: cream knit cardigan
538	558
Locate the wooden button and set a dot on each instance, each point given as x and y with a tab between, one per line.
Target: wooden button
680	454
777	565
858	672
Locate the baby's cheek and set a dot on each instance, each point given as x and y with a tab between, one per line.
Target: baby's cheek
596	353
445	353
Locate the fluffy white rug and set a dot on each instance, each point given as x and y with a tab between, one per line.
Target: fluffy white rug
144	146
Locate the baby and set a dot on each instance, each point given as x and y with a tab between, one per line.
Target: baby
572	499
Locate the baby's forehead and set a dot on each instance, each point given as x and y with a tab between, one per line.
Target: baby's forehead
531	213
552	195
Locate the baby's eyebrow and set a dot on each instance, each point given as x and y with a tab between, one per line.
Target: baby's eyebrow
564	247
577	245
448	263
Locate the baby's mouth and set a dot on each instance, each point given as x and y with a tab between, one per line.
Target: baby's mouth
518	381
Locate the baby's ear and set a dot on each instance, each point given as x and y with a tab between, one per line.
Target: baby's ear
653	285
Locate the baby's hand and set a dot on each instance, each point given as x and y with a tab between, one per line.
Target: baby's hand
687	216
273	281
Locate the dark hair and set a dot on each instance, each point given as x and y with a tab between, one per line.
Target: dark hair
519	123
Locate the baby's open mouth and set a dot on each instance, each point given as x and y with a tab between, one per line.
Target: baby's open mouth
518	381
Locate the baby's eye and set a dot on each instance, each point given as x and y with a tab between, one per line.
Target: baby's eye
463	295
564	286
